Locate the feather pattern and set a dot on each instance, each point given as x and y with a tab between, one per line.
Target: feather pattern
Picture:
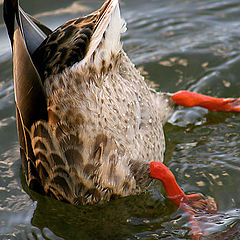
100	124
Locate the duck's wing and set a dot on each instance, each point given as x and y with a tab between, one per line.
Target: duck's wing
33	31
26	34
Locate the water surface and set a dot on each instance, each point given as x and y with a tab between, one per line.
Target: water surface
178	44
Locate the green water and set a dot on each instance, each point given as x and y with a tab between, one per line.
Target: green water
179	44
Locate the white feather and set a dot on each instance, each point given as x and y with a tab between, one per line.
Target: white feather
112	25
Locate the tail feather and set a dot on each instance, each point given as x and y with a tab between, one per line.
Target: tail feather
107	30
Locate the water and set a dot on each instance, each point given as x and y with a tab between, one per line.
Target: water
179	44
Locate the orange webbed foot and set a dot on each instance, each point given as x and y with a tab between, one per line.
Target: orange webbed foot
200	203
191	99
197	201
193	204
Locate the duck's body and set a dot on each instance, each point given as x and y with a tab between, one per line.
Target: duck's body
106	127
88	123
101	125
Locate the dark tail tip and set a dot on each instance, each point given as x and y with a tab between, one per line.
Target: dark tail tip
10	9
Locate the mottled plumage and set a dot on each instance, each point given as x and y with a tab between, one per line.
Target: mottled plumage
92	125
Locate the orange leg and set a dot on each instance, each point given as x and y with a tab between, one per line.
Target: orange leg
191	204
191	99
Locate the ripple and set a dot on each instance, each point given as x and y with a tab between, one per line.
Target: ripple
73	8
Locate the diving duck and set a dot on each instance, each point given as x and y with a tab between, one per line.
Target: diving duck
89	126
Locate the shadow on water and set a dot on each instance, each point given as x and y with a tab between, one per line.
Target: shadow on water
124	218
146	216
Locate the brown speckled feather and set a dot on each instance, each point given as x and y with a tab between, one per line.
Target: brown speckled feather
68	44
103	125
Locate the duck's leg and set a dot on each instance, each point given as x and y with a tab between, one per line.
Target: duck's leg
191	99
193	204
197	201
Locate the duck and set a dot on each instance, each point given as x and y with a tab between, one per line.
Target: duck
90	127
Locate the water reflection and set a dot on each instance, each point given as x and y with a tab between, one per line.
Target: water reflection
115	220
